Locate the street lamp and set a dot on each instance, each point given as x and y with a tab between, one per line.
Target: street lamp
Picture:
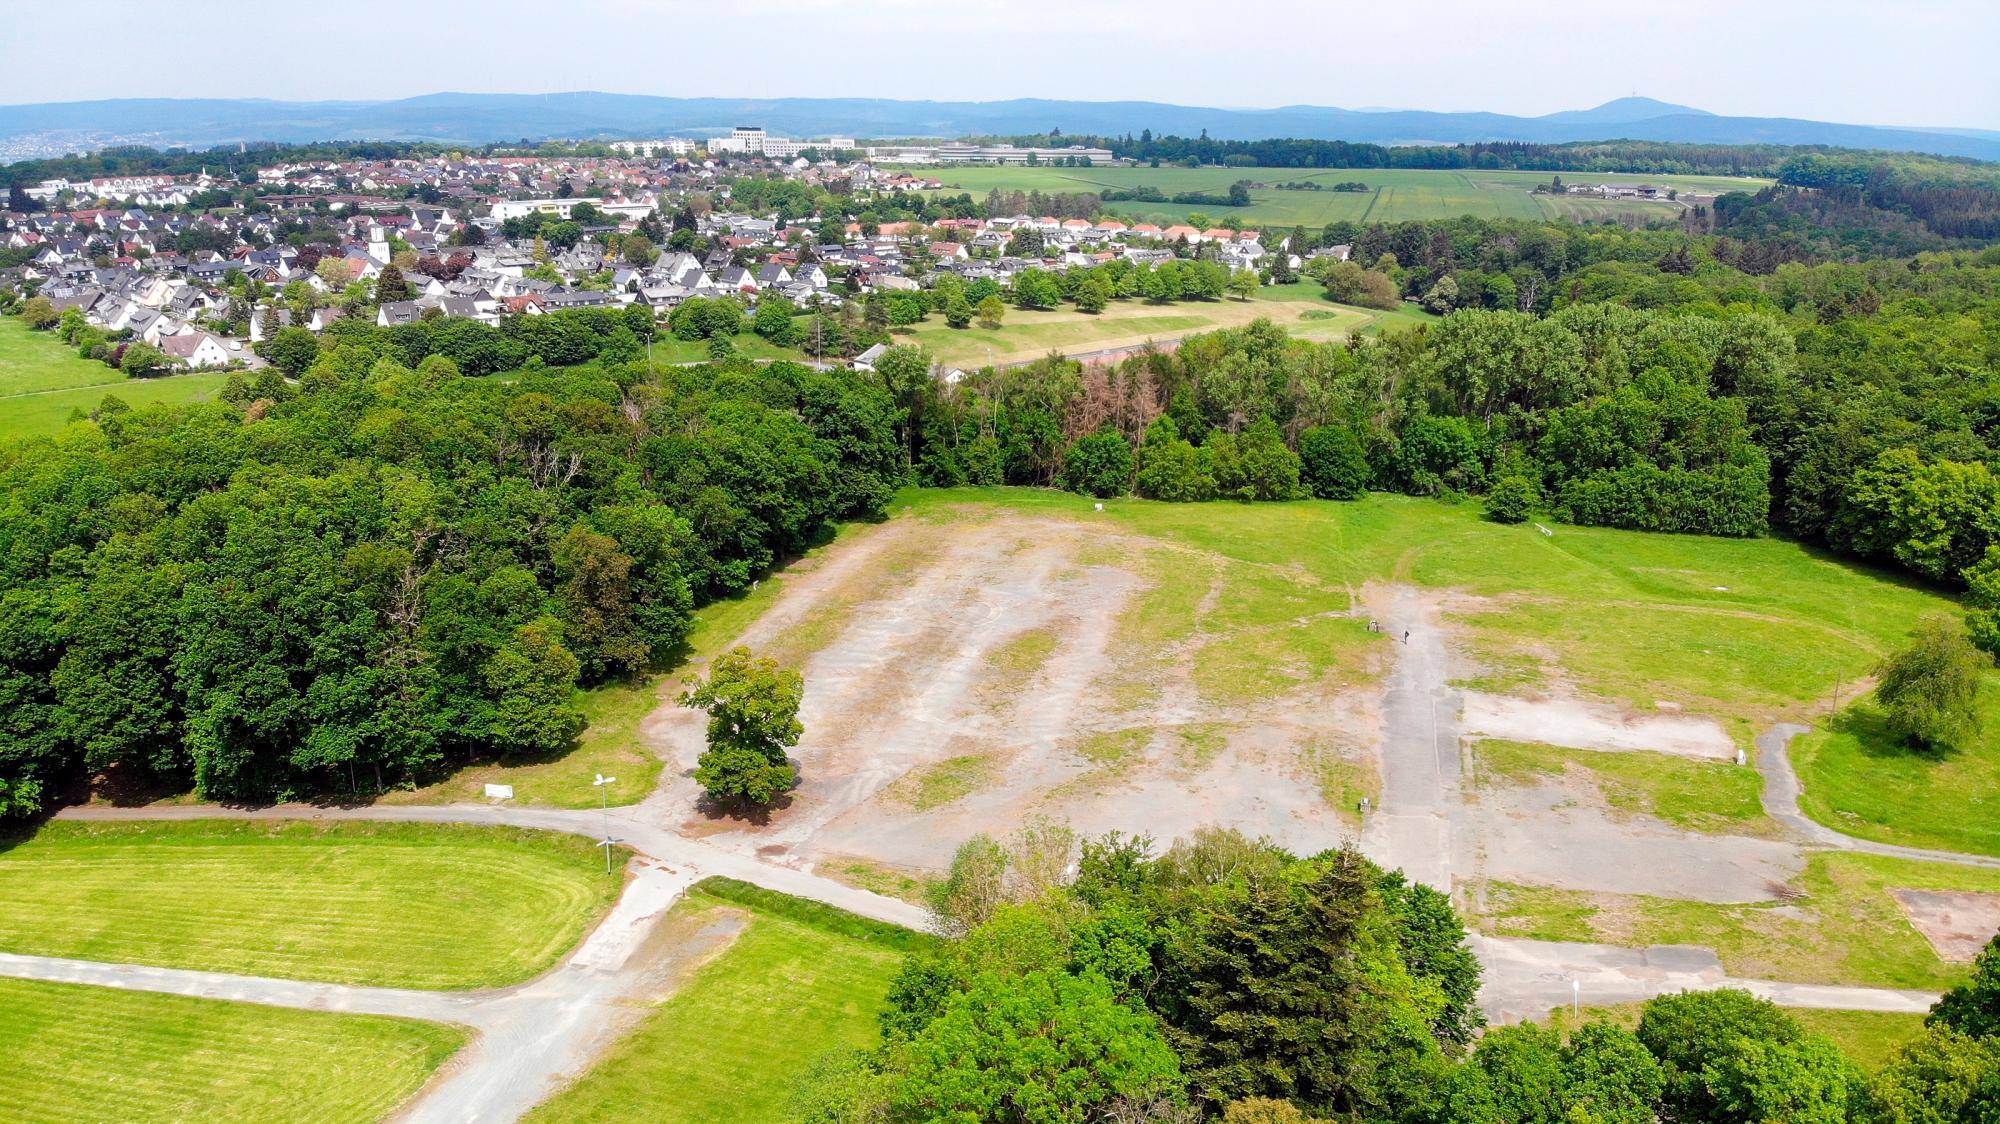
604	809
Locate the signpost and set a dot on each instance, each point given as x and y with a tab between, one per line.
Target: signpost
604	809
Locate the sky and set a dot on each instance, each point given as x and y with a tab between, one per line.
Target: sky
1908	62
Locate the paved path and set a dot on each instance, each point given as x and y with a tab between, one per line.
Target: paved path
1528	979
1782	789
1420	760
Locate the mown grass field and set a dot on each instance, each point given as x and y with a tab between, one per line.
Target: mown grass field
1746	630
1841	926
1710	796
1394	195
404	905
43	382
72	1053
801	981
1861	779
1868	1038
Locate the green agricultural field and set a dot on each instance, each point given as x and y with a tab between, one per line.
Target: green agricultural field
73	1053
1839	924
1710	796
798	982
357	903
1395	195
1860	779
1747	630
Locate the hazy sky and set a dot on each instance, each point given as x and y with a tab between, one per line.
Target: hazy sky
1906	62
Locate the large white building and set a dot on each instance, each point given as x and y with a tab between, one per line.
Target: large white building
754	141
957	153
520	208
647	149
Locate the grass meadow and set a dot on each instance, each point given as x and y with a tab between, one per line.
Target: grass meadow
43	382
353	903
1709	796
1299	308
1746	630
1394	195
74	1053
1863	780
715	1049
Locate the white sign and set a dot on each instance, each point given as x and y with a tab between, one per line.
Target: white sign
500	792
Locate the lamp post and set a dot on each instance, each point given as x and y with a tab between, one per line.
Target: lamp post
604	809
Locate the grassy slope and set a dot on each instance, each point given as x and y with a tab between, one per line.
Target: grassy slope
384	904
1861	779
74	1053
42	382
1636	617
32	362
1842	928
714	1050
1698	795
1396	195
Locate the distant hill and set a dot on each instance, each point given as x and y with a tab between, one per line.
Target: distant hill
1623	110
56	127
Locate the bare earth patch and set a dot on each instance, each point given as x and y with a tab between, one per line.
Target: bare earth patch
1583	725
1958	924
982	679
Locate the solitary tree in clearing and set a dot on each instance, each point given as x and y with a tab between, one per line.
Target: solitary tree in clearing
753	718
1931	689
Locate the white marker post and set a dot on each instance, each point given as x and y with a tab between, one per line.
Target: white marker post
604	809
1576	997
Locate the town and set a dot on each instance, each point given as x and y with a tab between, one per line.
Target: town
207	270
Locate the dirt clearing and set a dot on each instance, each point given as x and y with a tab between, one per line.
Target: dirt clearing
1957	924
1583	725
963	676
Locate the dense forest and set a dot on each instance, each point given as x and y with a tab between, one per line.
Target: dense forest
384	568
1223	978
1849	405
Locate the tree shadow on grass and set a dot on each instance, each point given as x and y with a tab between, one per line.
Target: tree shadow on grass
1868	725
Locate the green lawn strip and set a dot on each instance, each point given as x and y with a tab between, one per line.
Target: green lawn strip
394	905
1843	927
70	1052
803	980
1710	796
1868	1038
1861	779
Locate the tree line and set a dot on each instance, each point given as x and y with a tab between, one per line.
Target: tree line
1104	979
388	568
